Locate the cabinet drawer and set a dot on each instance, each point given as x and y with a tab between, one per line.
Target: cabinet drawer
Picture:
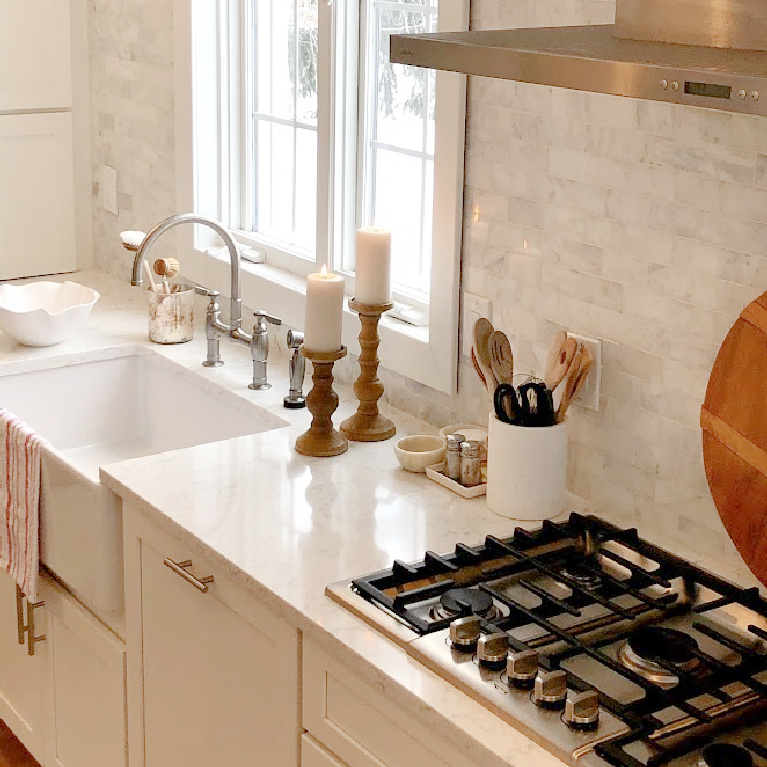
313	754
354	720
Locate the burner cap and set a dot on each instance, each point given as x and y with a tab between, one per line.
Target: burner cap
658	643
467	602
650	650
582	575
725	755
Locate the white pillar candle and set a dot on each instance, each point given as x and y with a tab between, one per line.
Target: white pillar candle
372	272
324	309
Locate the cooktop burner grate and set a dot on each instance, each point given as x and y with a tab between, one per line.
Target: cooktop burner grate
576	592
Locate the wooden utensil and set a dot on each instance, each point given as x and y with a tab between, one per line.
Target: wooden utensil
733	420
576	379
483	329
559	359
150	279
501	358
477	368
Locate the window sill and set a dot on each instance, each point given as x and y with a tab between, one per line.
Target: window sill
404	349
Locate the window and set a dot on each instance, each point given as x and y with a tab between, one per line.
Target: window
304	131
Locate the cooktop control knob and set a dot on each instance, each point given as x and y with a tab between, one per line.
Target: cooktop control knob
492	649
465	632
581	710
550	689
522	668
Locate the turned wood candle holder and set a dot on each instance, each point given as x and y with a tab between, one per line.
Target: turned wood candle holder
367	424
322	439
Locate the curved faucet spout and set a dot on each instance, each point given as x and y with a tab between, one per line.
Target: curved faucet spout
235	313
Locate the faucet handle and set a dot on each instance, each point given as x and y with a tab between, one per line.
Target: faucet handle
260	315
202	291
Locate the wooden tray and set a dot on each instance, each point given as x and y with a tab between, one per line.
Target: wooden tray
733	420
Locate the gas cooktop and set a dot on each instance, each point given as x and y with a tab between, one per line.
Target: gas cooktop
602	647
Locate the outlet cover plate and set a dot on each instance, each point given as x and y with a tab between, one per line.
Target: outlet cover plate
589	396
108	189
474	307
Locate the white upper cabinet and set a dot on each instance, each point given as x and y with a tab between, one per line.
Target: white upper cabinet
35	45
37	224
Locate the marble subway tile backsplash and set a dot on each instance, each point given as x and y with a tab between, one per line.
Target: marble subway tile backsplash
641	223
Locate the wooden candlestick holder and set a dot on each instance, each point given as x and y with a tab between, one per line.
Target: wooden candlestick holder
367	424
322	439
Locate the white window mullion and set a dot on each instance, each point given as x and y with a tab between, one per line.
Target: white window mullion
337	82
328	21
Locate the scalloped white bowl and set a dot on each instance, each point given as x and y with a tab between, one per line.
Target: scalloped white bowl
44	313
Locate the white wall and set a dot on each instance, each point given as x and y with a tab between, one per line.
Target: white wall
638	222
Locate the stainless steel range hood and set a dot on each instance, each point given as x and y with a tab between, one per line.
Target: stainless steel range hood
707	53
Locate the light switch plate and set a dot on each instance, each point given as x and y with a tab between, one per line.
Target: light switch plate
108	189
474	307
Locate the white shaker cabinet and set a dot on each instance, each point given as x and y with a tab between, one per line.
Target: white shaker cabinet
37	206
35	57
45	182
87	680
75	678
24	681
351	721
213	671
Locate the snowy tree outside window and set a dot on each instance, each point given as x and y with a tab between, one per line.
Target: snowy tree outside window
395	131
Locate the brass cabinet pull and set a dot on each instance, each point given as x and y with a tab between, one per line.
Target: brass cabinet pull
180	568
31	638
20	614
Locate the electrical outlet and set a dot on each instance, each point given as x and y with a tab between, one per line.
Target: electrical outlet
589	396
108	189
474	307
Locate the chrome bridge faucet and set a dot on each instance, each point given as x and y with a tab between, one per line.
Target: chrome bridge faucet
215	328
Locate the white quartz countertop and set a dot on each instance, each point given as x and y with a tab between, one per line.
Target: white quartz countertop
284	525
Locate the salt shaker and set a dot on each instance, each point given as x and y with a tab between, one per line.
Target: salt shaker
470	464
454	456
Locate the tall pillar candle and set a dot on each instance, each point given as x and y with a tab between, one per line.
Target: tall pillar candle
372	272
324	309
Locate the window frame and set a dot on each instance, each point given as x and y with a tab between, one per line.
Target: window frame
428	355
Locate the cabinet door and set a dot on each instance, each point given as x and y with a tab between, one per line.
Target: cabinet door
37	229
313	754
219	672
87	686
23	679
35	54
37	222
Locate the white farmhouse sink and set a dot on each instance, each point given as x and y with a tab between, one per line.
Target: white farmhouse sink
124	403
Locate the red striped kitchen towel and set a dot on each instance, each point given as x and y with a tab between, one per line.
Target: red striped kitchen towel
20	470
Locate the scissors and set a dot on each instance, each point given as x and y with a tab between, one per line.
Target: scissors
530	405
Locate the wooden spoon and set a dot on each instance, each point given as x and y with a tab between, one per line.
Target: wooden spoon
559	359
477	368
501	358
576	379
483	329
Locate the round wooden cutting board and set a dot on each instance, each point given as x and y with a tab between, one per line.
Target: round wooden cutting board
733	419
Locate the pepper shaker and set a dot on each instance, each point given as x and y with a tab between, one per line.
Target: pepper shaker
470	464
